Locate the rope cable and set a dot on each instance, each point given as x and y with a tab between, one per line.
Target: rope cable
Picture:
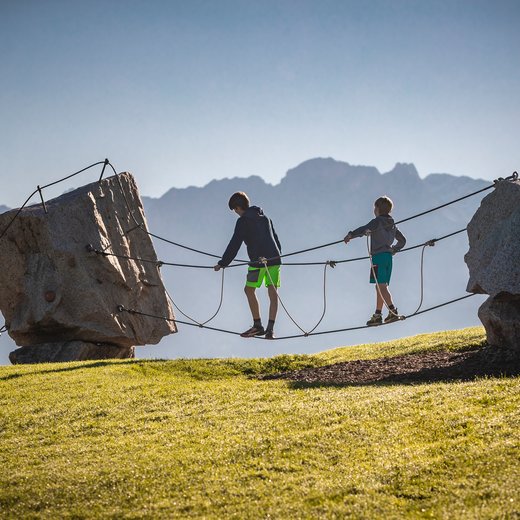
203	323
195	266
39	190
121	308
305	333
422	279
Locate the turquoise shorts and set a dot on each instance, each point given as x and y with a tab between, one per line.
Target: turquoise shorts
255	276
382	263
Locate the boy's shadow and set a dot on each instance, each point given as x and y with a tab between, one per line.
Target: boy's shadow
425	367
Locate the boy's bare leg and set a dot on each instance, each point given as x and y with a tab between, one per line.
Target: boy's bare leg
383	294
253	301
273	302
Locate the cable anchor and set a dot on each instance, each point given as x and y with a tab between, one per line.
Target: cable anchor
41	197
105	164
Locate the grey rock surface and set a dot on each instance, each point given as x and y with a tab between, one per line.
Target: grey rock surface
69	351
53	291
492	259
501	319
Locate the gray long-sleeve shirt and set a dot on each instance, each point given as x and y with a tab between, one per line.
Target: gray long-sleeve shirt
383	233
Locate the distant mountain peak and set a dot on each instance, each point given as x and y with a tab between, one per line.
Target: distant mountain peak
404	171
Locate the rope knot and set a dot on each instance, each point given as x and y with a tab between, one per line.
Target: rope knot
159	264
120	308
331	263
306	334
431	242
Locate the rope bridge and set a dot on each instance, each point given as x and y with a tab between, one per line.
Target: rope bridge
328	263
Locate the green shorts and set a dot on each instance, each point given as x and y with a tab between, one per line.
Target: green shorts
257	275
382	263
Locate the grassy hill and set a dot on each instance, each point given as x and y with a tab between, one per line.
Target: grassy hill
208	438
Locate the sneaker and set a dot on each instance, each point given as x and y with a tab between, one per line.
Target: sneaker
269	334
253	331
392	316
376	319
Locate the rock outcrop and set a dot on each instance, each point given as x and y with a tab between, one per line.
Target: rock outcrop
60	301
492	259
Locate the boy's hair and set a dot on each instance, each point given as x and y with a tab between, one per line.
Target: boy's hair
384	204
239	200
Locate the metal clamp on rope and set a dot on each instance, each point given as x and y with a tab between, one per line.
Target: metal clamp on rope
91	249
262	260
120	308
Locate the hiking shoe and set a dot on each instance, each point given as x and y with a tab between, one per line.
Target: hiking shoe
376	319
269	334
253	331
392	316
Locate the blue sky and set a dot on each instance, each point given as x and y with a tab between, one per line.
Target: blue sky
181	92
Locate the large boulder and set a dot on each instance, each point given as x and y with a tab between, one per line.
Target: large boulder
492	259
53	291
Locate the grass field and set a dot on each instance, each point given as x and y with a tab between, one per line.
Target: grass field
208	439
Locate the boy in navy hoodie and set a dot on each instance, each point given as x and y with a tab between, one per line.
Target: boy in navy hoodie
257	232
383	232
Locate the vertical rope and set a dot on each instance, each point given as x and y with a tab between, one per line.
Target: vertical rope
305	333
199	323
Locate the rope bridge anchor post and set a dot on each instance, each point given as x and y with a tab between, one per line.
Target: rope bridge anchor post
43	201
105	164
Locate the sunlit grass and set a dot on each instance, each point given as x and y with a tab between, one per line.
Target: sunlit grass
205	438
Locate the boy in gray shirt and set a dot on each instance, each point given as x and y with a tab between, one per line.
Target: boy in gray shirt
383	232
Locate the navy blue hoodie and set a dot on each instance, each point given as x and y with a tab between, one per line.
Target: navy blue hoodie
257	232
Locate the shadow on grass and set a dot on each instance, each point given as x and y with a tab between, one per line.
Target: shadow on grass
425	367
72	366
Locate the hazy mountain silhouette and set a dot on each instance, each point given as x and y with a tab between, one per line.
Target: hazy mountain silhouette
315	203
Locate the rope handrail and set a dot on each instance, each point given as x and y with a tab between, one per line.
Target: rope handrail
122	308
140	225
160	263
40	188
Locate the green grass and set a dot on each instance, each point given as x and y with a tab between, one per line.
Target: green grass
206	439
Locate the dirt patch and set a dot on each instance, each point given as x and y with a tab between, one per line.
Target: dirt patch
410	368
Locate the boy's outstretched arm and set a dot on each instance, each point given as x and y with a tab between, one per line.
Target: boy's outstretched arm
233	246
360	231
